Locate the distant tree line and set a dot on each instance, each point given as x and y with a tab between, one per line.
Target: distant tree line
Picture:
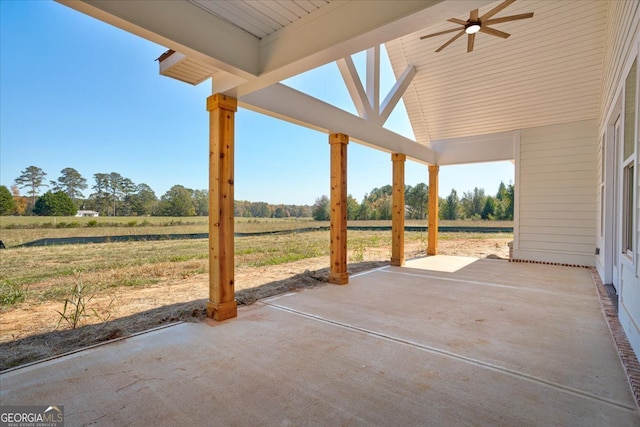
243	208
378	204
115	195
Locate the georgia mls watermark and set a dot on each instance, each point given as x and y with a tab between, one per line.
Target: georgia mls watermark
32	416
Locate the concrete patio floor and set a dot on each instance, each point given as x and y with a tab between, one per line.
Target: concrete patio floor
442	341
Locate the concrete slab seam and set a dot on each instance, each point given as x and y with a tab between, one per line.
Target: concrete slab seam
369	271
494	285
627	356
469	360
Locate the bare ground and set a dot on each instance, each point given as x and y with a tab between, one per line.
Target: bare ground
31	332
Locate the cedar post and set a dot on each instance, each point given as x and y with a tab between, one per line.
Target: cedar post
432	245
338	273
397	214
221	304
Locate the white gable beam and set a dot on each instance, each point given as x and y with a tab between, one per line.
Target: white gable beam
223	82
288	104
183	27
396	92
474	149
373	78
354	86
367	101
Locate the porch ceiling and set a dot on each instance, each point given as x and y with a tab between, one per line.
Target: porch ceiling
547	72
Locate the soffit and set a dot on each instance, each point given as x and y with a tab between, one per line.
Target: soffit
547	72
261	18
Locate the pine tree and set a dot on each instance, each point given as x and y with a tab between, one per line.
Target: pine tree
32	178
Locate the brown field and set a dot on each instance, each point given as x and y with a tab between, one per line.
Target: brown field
131	286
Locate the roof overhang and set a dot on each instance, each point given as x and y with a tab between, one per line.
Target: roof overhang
547	72
331	32
178	66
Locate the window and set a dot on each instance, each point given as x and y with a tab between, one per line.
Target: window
630	112
628	161
601	186
627	214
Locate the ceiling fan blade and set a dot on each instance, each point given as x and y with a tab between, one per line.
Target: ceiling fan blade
496	9
473	16
454	38
470	41
440	33
457	21
508	18
494	32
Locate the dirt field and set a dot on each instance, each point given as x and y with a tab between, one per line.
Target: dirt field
30	332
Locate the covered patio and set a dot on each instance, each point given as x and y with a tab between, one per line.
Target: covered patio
437	340
440	341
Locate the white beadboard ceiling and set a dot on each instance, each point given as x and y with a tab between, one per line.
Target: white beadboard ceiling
260	18
547	72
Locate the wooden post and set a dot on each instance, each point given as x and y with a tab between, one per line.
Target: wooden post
221	304
397	214
432	245
338	274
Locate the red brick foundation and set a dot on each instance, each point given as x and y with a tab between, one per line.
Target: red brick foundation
627	356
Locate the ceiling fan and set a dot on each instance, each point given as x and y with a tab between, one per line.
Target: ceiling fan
481	24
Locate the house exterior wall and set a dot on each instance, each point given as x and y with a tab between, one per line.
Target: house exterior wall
623	19
87	213
622	43
556	194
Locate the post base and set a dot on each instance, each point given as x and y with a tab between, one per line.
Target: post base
432	251
222	311
398	262
339	278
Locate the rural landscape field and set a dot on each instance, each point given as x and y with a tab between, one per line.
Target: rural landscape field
56	298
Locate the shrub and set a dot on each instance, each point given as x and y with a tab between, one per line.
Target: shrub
54	204
11	293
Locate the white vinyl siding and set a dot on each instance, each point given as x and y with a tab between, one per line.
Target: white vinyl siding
557	191
621	47
623	20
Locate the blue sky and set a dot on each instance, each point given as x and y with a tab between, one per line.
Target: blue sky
75	92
